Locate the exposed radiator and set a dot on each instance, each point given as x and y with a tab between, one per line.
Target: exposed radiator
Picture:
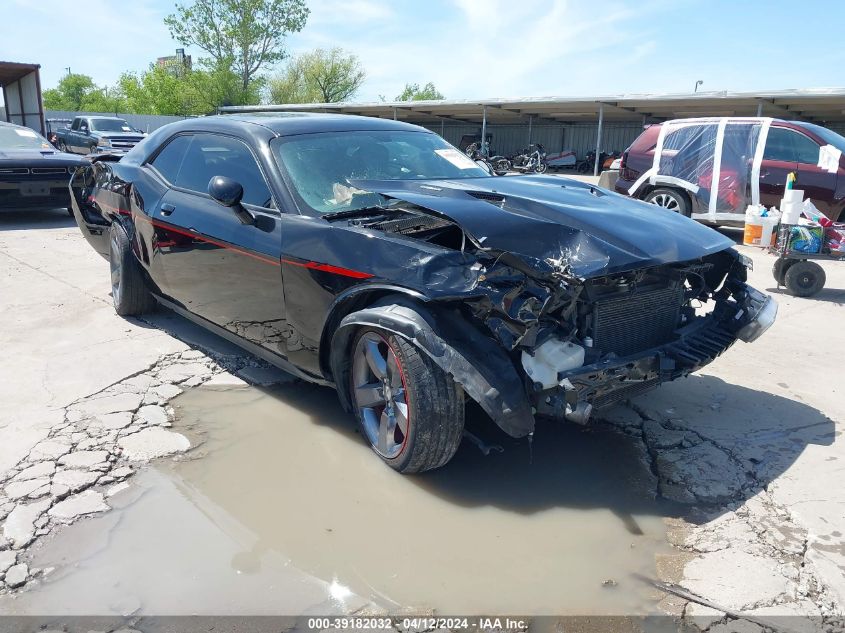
633	323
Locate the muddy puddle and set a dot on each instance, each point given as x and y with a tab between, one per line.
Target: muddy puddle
282	509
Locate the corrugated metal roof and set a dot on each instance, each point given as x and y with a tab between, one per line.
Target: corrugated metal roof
12	71
816	104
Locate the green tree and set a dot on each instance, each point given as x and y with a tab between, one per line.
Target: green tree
104	100
321	76
413	92
157	91
69	93
216	87
191	92
242	35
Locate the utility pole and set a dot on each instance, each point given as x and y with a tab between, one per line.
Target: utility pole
67	68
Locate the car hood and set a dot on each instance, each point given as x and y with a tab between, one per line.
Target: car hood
38	158
566	223
130	135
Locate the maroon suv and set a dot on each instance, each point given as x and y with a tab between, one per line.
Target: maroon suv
790	146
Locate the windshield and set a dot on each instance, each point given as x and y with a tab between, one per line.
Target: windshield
828	136
321	166
21	138
110	125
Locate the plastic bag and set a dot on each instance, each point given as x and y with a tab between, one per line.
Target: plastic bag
804	238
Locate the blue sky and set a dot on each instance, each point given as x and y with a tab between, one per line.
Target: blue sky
481	48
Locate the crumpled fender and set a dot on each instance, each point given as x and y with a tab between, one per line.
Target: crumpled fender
474	361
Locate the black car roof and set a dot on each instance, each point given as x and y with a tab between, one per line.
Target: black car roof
262	127
287	123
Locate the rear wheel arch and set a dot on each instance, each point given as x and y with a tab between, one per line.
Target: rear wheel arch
130	294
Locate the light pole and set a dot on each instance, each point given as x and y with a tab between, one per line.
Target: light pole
68	70
697	84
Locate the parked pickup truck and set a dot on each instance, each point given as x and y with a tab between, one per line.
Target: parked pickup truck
93	134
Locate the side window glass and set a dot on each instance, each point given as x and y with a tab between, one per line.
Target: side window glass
807	149
780	145
75	125
213	155
169	160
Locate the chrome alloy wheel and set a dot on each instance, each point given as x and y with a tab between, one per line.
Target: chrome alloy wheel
378	387
666	201
114	266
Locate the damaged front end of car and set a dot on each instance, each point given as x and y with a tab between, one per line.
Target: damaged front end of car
584	314
587	343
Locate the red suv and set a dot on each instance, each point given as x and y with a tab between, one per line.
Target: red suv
683	179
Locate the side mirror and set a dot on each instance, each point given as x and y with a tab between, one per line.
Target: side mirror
484	166
83	129
229	192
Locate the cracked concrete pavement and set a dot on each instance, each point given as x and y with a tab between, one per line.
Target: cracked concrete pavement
750	449
77	412
753	446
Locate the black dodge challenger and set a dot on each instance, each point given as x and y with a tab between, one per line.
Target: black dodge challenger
372	256
33	173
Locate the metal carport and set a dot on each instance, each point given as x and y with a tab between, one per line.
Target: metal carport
21	85
825	106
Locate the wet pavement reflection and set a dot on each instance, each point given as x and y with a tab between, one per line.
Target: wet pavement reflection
281	507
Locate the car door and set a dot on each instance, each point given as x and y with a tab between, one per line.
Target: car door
73	136
779	159
819	185
211	263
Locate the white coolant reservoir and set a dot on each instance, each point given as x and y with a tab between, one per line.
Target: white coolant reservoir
551	357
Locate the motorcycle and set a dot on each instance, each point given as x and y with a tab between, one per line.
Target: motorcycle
531	159
498	165
605	160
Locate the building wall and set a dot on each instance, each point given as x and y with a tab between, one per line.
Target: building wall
24	92
144	122
580	137
507	139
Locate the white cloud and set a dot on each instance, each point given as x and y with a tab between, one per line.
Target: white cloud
95	37
347	12
487	48
468	48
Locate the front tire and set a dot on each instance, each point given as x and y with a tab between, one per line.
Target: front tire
804	279
541	167
130	295
669	199
409	409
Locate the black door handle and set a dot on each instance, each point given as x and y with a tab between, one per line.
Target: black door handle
167	209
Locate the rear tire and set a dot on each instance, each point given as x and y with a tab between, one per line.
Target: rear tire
391	380
130	295
804	279
669	199
62	146
779	269
501	166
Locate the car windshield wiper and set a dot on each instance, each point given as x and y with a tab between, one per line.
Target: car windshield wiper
361	212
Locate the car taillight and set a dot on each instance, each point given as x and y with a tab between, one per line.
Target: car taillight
623	161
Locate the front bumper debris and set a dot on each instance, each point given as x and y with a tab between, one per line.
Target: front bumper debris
604	383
